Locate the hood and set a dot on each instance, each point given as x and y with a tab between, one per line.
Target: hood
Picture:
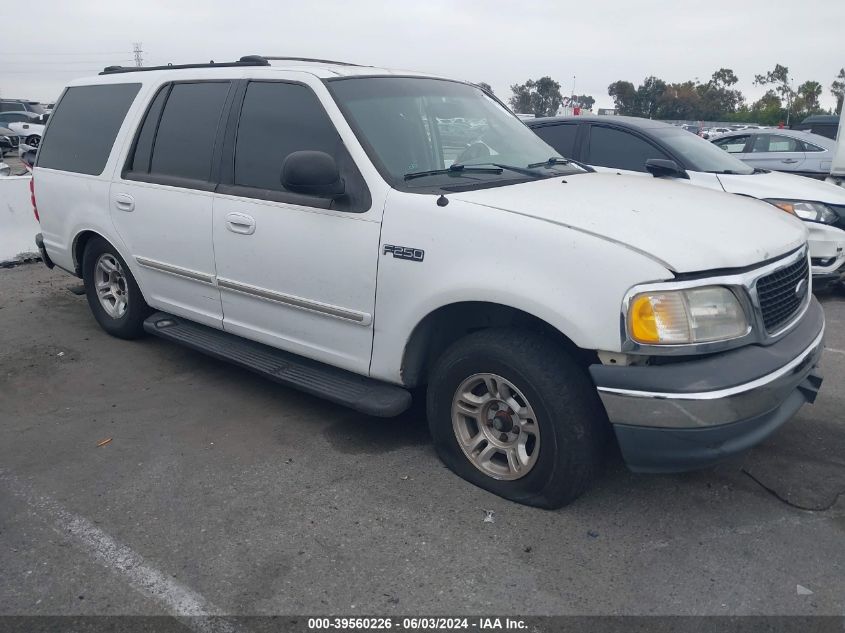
776	184
686	229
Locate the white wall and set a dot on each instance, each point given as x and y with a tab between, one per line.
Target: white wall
17	222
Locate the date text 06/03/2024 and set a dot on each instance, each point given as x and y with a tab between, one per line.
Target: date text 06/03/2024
416	623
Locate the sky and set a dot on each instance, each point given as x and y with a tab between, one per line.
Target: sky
497	41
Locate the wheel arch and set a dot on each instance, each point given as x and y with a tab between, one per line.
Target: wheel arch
81	240
444	325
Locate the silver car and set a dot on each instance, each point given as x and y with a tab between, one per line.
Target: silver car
792	151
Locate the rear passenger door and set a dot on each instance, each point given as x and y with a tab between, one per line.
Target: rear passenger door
295	271
161	202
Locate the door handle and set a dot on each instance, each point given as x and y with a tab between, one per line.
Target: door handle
124	202
789	161
240	223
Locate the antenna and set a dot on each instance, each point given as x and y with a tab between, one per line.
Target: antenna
139	59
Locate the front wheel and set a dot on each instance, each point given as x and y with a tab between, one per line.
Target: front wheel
111	290
512	412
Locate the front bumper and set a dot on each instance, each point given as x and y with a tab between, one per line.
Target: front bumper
827	253
690	414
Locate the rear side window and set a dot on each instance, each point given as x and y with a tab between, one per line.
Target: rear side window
187	131
84	126
732	144
615	148
276	120
561	137
765	143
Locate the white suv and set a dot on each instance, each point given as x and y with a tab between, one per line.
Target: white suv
325	225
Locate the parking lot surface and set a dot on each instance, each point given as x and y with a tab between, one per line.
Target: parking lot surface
220	492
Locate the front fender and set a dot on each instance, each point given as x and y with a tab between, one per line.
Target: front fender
573	281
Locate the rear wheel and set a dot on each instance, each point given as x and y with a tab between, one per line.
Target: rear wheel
33	141
113	295
513	413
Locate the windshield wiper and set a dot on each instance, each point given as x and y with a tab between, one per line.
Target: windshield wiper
557	160
453	169
554	160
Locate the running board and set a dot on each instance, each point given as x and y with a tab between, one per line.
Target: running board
363	394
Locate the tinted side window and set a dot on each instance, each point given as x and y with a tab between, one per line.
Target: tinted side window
561	137
84	126
187	131
614	148
140	160
276	120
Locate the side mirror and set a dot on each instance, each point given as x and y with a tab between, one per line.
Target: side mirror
660	168
312	173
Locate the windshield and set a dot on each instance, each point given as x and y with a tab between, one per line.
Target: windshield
701	155
424	132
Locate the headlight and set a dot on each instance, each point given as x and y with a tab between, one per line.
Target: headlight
806	210
694	315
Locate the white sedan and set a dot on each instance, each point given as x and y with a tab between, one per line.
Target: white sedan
27	125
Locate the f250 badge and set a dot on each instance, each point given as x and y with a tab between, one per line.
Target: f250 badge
405	252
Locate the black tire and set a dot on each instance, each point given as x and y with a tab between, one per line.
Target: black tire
572	423
131	324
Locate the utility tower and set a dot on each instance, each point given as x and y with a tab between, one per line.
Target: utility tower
139	59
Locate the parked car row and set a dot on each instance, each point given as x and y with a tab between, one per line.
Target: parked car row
307	220
651	148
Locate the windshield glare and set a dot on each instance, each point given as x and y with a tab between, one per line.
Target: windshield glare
699	154
410	125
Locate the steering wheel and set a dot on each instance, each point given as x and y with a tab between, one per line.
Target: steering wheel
472	152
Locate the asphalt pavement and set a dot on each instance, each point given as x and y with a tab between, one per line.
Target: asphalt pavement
215	491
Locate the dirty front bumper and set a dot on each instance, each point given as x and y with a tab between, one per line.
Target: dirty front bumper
690	414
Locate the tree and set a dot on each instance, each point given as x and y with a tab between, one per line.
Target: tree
649	95
521	99
680	102
768	109
485	86
779	77
541	97
718	99
585	102
724	78
837	89
624	97
807	101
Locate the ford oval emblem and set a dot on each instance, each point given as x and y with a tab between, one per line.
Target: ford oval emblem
800	288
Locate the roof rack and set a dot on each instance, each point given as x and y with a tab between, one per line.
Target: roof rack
248	60
307	59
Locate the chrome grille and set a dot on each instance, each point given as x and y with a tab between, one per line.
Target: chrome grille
781	294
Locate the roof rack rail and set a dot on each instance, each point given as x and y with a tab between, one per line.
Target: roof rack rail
306	59
249	60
